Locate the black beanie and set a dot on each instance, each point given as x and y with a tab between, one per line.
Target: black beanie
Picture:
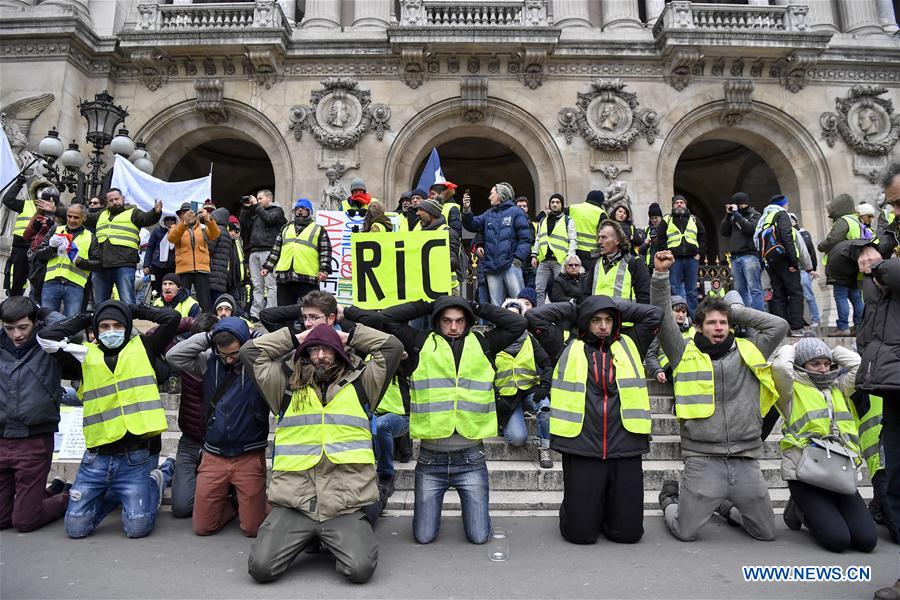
740	198
596	198
173	278
560	196
654	210
117	311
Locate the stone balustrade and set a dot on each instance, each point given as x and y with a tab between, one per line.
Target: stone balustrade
224	16
732	18
469	13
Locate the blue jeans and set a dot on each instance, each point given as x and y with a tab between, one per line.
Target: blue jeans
122	277
464	470
105	481
504	284
746	271
683	279
389	425
516	432
810	297
56	294
843	296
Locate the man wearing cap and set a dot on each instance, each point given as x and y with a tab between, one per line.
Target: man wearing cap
191	236
685	237
176	297
300	257
443	193
227	306
587	217
323	466
430	218
123	416
783	257
117	228
261	222
738	226
358	202
507	233
649	247
160	256
556	239
415	199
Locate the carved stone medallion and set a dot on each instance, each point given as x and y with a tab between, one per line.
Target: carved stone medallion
866	122
608	118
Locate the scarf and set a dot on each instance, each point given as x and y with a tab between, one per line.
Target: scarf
306	375
822	381
301	222
164	247
715	351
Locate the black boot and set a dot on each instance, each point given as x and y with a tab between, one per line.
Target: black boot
792	517
403	448
668	494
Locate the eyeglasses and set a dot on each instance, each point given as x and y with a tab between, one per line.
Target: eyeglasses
571	265
312	318
229	354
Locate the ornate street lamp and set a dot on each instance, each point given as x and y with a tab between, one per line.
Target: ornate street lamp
103	117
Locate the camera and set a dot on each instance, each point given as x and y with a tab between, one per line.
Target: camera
246	200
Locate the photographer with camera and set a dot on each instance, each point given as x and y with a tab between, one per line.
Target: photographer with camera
191	236
261	222
738	226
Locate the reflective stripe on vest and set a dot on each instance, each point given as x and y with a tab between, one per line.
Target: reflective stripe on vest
674	236
240	256
870	435
556	241
184	307
118	231
810	417
517	372
392	401
587	217
444	399
687	334
567	396
63	267
120	402
299	252
615	283
339	429
24	217
695	388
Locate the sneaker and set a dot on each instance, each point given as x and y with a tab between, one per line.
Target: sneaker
799	333
544	458
889	593
724	511
160	479
168	467
792	515
815	324
173	385
842	333
668	494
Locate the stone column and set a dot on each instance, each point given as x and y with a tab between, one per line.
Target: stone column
620	14
322	14
571	13
289	8
859	16
80	7
886	16
757	2
371	14
653	8
820	15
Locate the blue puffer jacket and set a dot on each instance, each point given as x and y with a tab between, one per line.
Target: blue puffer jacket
507	234
239	422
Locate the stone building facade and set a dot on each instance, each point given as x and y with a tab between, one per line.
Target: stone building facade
641	98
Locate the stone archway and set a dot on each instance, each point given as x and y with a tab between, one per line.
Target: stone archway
174	132
504	122
788	148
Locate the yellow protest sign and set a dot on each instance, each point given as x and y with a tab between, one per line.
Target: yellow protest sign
390	268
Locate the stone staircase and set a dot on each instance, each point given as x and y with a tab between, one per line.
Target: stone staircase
520	486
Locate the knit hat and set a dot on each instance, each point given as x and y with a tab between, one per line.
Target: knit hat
49	193
209	204
303	203
654	210
224	302
779	200
324	335
505	191
173	278
809	348
418	192
595	197
117	311
865	209
678	197
431	207
358	184
376	209
529	294
406	196
677	300
740	198
557	195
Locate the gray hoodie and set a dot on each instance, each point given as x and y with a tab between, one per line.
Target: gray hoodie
735	428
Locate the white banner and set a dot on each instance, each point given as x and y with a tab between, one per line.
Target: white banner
143	190
9	168
339	227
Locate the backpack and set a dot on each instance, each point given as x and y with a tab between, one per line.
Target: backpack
768	244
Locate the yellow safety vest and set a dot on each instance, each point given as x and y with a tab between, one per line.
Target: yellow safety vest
674	236
615	283
119	230
810	418
392	401
870	435
716	293
567	396
339	430
771	219
444	400
240	256
24	217
695	388
888	213
587	217
687	334
402	223
556	241
183	308
446	208
299	252
65	268
120	402
517	372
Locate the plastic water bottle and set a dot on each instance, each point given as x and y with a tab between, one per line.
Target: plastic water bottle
498	549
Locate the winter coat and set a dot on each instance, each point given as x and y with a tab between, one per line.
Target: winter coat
784	232
112	256
565	287
683	249
507	234
192	245
842	268
260	226
810	247
738	227
841	206
735	427
327	490
221	250
878	338
785	375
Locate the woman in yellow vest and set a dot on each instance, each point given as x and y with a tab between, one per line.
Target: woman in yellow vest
814	386
600	415
123	416
176	297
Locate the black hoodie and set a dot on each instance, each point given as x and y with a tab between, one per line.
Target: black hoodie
602	435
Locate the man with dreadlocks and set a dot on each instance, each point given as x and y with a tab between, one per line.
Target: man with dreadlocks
323	468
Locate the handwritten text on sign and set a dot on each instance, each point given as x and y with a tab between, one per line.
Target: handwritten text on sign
390	268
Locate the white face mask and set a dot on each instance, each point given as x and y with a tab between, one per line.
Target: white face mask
112	339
